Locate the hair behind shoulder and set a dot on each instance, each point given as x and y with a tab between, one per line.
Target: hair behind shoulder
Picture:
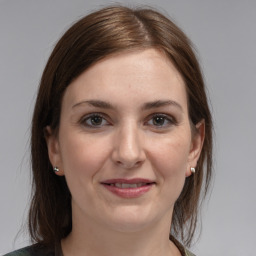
107	31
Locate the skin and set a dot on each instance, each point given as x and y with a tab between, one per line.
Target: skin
130	138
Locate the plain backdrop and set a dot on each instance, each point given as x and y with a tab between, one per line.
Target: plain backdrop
224	34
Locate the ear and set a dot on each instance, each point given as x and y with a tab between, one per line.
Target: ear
53	149
196	146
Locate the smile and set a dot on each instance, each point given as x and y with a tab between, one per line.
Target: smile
128	188
125	185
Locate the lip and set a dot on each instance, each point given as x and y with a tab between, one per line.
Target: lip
128	192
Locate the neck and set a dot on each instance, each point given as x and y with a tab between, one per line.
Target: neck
89	238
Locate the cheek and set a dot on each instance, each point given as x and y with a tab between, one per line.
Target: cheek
171	154
82	156
169	160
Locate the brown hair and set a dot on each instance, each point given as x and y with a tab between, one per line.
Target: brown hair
100	34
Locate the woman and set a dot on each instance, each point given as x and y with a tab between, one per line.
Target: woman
121	139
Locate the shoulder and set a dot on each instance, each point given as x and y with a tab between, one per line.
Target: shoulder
21	252
184	251
188	253
33	250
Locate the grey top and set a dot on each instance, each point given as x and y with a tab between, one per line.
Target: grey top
37	250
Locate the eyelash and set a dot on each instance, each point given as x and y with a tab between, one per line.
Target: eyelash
93	115
168	120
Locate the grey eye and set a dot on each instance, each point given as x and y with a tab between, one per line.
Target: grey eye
95	120
159	120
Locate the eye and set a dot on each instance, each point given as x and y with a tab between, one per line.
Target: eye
94	120
161	120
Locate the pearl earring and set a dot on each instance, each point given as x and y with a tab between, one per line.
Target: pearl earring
192	169
56	169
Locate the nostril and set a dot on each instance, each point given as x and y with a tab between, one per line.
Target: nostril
129	164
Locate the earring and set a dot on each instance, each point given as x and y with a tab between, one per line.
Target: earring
192	169
56	169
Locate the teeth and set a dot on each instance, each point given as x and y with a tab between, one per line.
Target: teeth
125	185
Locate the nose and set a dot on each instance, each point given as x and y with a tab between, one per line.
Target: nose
128	149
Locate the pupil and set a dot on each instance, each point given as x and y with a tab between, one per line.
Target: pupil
96	120
159	120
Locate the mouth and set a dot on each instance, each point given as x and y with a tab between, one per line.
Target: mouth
128	188
127	185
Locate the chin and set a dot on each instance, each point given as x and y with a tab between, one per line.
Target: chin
131	219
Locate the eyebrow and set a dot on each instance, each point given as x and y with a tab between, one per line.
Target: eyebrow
95	103
146	106
161	103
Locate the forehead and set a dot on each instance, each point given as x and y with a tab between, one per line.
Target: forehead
146	74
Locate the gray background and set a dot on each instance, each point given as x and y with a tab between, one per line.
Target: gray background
224	33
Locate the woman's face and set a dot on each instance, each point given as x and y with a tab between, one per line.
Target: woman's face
125	143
